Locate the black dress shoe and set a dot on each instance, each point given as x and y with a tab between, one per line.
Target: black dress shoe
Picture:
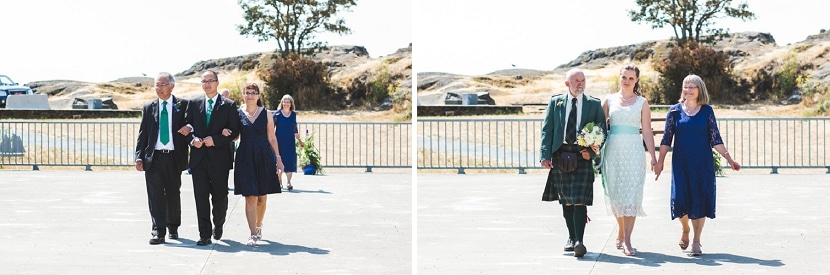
580	250
157	240
217	233
174	235
569	246
203	241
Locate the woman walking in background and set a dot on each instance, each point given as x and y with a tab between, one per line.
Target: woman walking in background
694	128
285	121
623	170
257	160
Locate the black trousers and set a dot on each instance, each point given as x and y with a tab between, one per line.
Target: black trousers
164	184
210	188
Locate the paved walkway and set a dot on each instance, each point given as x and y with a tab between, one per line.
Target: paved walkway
77	222
497	224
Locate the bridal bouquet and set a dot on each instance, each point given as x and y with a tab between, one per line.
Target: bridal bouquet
590	135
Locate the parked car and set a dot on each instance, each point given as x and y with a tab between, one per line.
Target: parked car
9	87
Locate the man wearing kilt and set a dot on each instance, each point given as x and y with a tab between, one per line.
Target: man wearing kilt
566	115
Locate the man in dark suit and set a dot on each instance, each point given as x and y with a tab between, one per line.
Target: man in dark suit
211	156
566	115
161	152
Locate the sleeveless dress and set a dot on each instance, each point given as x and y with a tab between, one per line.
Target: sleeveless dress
255	167
692	164
285	129
624	160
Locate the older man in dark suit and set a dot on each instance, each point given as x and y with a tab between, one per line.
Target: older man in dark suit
162	154
565	116
215	122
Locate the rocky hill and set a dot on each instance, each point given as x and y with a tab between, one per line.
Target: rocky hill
755	58
347	64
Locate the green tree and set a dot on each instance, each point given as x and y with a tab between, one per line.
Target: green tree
293	23
690	18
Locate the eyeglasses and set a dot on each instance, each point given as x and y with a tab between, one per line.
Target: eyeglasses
209	81
161	85
689	87
251	93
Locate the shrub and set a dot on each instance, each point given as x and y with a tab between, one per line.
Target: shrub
785	80
692	58
305	80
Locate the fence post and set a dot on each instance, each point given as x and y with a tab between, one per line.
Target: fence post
461	170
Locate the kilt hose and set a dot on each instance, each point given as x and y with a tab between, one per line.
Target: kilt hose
573	188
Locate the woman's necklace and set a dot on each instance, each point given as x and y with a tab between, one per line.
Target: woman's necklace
251	114
691	112
627	99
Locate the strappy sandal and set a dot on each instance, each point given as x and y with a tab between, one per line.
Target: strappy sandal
630	252
684	243
290	187
619	244
259	232
252	240
696	249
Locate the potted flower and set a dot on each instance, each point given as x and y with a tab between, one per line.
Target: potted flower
308	157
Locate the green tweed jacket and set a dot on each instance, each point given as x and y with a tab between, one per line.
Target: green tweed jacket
553	128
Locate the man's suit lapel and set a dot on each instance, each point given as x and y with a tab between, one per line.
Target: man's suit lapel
560	123
585	111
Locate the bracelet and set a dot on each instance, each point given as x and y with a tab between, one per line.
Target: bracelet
278	156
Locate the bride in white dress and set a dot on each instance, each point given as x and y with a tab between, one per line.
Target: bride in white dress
623	166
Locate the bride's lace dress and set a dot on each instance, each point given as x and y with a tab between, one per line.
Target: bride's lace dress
624	161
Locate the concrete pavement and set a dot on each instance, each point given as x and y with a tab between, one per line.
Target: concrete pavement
497	224
78	222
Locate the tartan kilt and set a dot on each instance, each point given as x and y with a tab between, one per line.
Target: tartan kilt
574	188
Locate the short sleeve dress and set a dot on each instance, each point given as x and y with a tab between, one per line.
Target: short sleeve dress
286	127
255	167
693	166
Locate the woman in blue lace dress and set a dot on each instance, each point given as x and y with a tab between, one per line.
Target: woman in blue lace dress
285	121
692	125
257	160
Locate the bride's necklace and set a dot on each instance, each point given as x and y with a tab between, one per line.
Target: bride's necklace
627	99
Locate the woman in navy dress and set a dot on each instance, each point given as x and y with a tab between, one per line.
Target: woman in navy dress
285	120
257	160
692	125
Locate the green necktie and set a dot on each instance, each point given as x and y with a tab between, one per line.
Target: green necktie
164	124
209	109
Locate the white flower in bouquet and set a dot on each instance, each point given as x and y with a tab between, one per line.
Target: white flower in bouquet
590	135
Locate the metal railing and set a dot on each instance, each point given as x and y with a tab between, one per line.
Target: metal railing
770	143
62	143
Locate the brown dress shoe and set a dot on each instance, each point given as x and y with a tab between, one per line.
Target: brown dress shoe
579	250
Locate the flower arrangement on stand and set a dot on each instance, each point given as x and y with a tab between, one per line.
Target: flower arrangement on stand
308	156
589	136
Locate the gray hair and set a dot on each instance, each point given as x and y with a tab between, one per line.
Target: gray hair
702	92
287	96
169	77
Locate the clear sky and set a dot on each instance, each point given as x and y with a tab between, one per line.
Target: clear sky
103	40
478	37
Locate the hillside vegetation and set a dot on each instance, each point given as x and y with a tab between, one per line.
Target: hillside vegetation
350	69
758	64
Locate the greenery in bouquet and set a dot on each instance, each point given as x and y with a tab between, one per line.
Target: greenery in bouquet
308	154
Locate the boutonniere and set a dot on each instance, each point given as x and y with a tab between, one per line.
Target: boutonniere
559	104
177	107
